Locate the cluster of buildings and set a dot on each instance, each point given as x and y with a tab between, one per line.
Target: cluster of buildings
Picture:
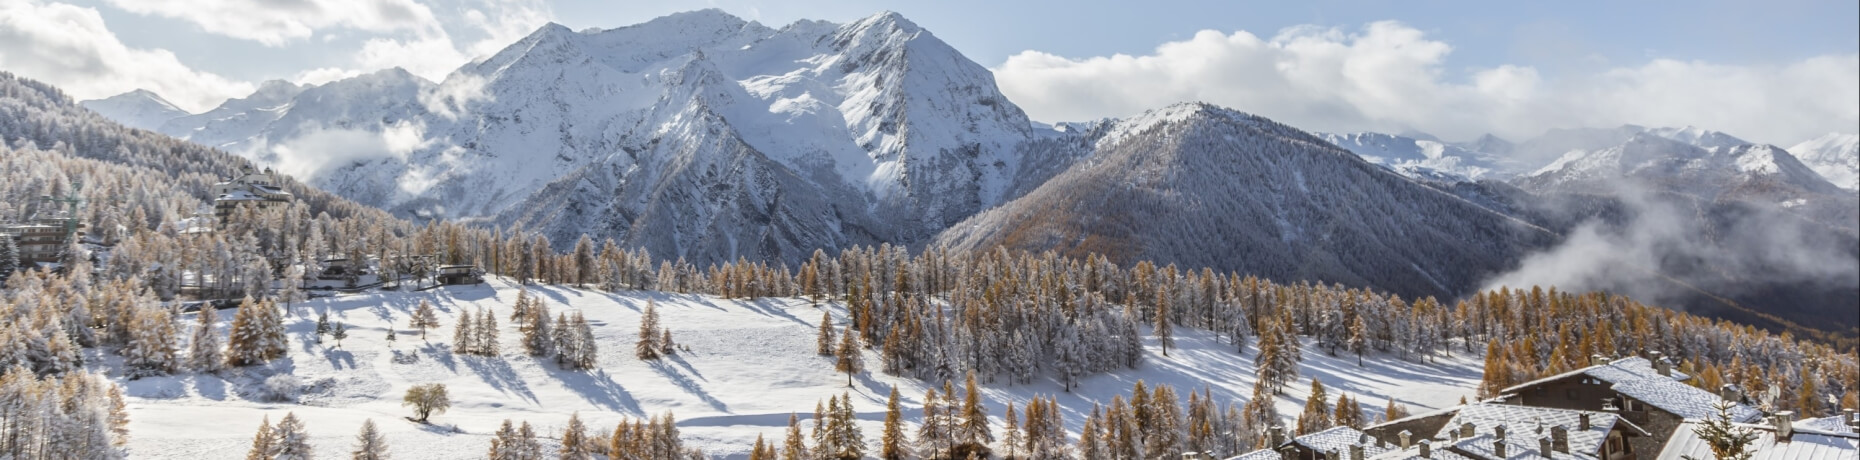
1625	409
260	189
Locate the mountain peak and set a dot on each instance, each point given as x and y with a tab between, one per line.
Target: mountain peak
888	19
139	108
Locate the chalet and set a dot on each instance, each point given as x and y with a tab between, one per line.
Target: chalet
1645	392
1781	439
260	189
459	274
1333	444
1599	435
43	240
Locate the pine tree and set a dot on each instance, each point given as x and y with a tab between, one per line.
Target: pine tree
423	318
1316	416
1394	411
506	444
934	431
339	332
648	346
486	334
892	443
463	334
1727	440
1359	339
534	325
264	444
322	325
974	428
824	343
1010	434
795	446
293	440
846	435
391	333
257	334
575	440
1165	332
848	356
1089	446
151	350
1348	414
369	444
9	259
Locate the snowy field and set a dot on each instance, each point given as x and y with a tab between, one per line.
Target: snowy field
749	365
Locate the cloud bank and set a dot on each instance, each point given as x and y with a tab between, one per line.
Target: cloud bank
1390	77
70	46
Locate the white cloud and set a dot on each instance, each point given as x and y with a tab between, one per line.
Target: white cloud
434	52
71	47
278	22
1391	77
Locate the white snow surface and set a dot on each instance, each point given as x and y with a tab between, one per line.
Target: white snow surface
136	109
1836	156
883	121
749	365
1421	158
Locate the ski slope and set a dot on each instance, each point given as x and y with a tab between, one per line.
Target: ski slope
749	364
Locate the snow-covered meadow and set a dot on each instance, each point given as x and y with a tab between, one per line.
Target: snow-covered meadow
743	366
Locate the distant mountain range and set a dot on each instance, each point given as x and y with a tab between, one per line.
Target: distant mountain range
707	137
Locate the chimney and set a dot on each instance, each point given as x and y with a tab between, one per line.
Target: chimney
1381	443
1498	448
1847	417
1276	434
1662	365
1467	430
1729	393
1499	432
1404	438
1785	425
1543	447
1559	439
1427	450
1356	452
1597	360
1582	421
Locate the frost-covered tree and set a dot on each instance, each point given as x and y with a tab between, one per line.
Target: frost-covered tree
257	334
292	439
203	350
424	317
152	349
339	332
9	259
464	336
823	342
847	357
575	440
892	442
426	400
648	347
1316	416
369	443
264	443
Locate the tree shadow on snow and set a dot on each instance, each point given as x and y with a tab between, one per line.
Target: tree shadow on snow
441	354
338	357
689	386
596	387
495	371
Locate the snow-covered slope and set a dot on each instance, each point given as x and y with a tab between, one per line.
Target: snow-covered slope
136	109
1652	160
1836	156
1703	138
1199	185
749	364
763	142
1421	158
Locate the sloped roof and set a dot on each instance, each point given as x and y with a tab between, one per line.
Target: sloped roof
1636	378
1832	425
1516	448
1337	438
1414	453
1803	445
1534	422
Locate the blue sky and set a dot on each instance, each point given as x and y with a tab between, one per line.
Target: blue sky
1484	56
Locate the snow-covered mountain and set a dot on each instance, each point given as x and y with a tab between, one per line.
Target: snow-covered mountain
136	109
1836	156
1655	160
697	134
1199	185
1488	144
1703	138
1422	158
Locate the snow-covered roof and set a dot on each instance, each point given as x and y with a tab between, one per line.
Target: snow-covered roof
1802	445
1414	453
1832	424
238	195
1636	378
1485	447
1528	422
1335	439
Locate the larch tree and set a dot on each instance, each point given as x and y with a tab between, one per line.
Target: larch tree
264	444
648	348
1316	416
369	444
1165	330
974	427
892	442
485	340
293	439
463	336
426	400
575	440
794	447
423	318
1010	434
824	342
848	359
